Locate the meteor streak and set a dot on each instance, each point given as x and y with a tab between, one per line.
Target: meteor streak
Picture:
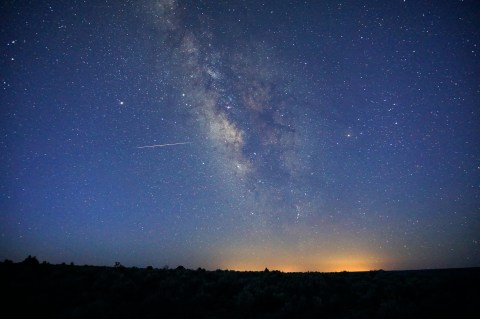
163	145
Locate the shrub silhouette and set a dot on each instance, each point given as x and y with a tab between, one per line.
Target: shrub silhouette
30	261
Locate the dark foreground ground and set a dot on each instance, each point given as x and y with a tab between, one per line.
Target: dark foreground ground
67	291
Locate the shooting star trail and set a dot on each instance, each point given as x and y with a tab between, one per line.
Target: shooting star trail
163	145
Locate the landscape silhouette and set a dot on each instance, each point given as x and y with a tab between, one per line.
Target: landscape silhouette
73	291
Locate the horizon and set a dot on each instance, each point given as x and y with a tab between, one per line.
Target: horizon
118	264
319	135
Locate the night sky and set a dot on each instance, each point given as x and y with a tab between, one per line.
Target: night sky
293	135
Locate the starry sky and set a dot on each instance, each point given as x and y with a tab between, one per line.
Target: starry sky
293	135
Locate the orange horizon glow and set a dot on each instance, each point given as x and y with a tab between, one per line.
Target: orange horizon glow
350	267
326	264
278	254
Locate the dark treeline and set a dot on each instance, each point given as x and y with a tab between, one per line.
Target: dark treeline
69	291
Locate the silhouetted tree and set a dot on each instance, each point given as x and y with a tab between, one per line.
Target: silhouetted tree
31	261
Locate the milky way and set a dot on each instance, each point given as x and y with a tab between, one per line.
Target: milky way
243	105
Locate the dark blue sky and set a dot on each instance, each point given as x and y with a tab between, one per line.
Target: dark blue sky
316	135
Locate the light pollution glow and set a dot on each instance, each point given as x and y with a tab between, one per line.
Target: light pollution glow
261	257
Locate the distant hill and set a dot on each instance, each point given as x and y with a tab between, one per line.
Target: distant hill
68	291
